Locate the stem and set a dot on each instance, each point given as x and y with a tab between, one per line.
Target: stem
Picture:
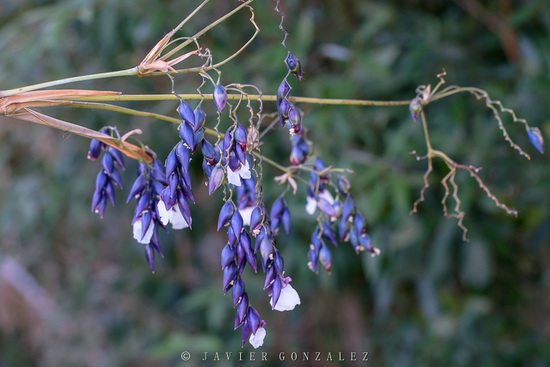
112	74
254	97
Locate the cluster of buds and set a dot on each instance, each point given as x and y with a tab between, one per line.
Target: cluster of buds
340	212
289	115
108	176
147	188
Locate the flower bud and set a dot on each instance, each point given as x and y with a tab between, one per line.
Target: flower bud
294	65
238	291
241	310
186	112
216	179
535	137
171	163
236	223
95	149
137	187
150	257
282	92
276	291
107	163
227	255
187	135
256	220
226	213
220	97
183	155
325	257
240	135
229	274
253	319
415	107
200	119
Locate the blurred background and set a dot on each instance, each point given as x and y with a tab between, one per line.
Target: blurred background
75	289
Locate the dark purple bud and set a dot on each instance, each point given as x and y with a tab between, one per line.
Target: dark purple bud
325	257
200	119
245	242
115	177
343	229
348	209
145	222
229	273
276	290
240	135
197	139
110	192
415	107
353	239
313	261
107	163
173	184
328	233
344	186
141	205
294	65
278	263
216	179
282	92
297	156
137	187
101	180
364	243
253	319
99	195
241	310
270	275
187	135
240	154
237	223
171	163
208	151
226	213
241	256
183	155
168	199
227	255
238	291
95	149
266	251
245	332
256	220
117	157
277	208
150	256
184	208
285	219
231	236
358	222
535	137
295	120
186	112
284	109
251	259
220	97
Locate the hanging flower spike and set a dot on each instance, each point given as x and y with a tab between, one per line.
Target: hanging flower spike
535	137
220	97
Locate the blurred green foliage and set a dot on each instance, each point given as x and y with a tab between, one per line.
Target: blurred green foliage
429	300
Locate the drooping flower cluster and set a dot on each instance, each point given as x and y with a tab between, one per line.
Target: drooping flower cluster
108	176
289	115
146	189
340	212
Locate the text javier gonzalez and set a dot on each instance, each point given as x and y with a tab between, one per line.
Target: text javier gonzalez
282	356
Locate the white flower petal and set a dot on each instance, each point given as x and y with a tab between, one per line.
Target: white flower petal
325	194
177	219
244	171
148	234
246	213
257	340
164	214
288	299
233	177
311	205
